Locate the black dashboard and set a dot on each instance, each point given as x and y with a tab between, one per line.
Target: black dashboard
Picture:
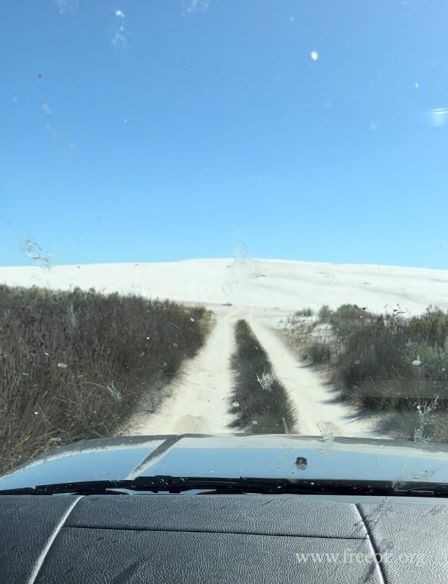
170	539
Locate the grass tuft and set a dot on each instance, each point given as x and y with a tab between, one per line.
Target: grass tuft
259	401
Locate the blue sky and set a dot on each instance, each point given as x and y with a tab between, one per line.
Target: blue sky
147	130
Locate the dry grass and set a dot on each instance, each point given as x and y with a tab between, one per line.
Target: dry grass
73	365
388	364
262	406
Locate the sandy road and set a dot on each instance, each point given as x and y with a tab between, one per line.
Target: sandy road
200	396
317	411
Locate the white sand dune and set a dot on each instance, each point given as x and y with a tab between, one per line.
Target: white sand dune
287	285
263	292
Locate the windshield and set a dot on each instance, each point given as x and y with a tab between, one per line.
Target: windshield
223	217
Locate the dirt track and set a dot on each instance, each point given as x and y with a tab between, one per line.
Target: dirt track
200	396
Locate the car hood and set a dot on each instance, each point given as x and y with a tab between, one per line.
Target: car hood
234	456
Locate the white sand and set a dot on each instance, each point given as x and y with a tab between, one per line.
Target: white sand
199	396
264	283
263	292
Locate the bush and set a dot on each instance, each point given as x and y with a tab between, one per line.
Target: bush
306	312
372	350
430	329
318	353
348	319
74	365
384	363
325	313
387	368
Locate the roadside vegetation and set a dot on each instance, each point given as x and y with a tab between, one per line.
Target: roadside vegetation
304	312
260	404
386	364
74	365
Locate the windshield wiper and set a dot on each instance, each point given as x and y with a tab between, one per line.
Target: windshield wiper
170	484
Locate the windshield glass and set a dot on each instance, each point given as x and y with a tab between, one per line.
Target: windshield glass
223	217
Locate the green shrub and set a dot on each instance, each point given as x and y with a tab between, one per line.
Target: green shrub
325	313
431	328
306	312
348	319
318	353
385	363
373	350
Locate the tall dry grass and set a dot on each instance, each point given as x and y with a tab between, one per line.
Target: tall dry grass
74	365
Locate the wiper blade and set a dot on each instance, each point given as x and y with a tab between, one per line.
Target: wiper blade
240	485
157	484
420	489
